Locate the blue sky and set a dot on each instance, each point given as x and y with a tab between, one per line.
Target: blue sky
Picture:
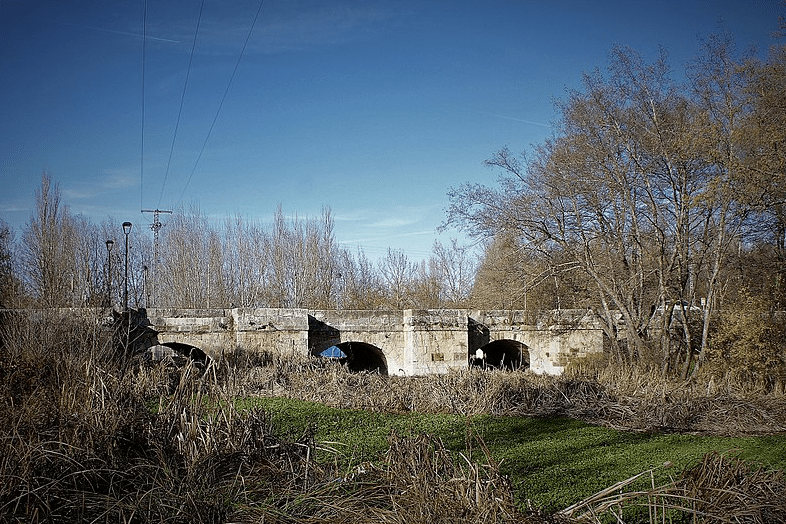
373	108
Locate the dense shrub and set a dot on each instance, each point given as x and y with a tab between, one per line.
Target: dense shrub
749	339
86	437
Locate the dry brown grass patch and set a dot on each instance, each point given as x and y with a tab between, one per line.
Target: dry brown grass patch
79	442
621	398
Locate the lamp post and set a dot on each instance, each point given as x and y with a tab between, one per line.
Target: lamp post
126	230
109	244
146	293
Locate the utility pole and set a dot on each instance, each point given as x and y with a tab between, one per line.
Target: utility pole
156	227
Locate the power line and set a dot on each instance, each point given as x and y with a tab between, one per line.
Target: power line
220	105
142	147
182	100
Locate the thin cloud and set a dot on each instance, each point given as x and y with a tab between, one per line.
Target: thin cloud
370	218
376	239
110	181
119	180
75	194
393	222
318	25
13	208
515	119
356	216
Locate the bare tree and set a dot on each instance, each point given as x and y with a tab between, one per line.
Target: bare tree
578	204
47	248
639	191
501	276
8	284
183	276
741	98
360	283
398	275
61	255
304	261
454	270
426	288
763	146
246	261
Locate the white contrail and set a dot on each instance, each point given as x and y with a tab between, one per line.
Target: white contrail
116	31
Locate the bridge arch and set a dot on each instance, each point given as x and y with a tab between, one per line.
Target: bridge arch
187	350
359	356
503	354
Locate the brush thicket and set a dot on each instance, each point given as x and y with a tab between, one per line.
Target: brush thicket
621	398
89	434
86	436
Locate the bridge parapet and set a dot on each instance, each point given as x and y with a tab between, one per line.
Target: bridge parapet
536	319
552	338
196	321
435	341
282	331
267	319
359	321
408	342
216	331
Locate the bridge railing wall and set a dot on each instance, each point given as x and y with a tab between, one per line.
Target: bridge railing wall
412	341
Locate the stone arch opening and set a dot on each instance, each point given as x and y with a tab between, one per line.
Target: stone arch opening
358	356
189	351
502	354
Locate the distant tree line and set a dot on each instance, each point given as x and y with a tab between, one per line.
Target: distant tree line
63	260
657	204
297	263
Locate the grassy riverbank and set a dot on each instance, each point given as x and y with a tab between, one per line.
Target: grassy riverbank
552	461
89	433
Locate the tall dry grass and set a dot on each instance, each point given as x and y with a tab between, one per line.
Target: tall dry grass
86	437
630	399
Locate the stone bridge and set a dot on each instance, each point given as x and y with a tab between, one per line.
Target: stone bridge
404	342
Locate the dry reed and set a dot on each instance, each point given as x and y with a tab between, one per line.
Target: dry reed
624	399
86	437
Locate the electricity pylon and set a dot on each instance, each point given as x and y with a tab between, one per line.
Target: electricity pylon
156	227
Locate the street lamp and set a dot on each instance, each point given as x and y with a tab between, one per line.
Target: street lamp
146	293
126	230
109	245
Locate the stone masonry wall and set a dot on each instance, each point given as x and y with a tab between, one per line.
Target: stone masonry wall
413	341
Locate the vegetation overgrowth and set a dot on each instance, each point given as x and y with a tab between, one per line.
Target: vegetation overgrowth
657	205
593	390
90	434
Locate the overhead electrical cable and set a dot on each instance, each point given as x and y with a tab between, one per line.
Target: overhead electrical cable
182	100
220	105
142	141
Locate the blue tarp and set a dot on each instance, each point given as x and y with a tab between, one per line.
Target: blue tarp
333	352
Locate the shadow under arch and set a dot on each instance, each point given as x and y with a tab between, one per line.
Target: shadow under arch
359	356
189	351
502	354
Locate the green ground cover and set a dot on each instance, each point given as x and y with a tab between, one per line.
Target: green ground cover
554	462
